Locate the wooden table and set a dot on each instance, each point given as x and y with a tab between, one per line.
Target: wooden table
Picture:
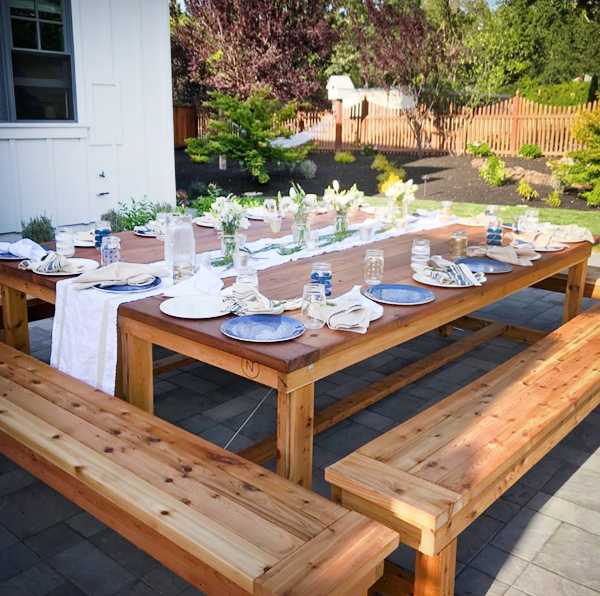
293	367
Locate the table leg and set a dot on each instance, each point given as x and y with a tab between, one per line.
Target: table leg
574	291
14	317
136	372
295	413
434	576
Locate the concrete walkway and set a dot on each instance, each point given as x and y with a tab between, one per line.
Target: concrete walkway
541	538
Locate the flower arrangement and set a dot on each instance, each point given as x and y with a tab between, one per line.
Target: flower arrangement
401	192
229	214
298	203
342	200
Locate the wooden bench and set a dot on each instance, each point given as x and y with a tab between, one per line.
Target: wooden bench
229	527
559	283
433	475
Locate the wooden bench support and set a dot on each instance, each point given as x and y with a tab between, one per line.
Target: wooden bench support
513	332
14	318
354	403
434	576
559	283
574	291
395	581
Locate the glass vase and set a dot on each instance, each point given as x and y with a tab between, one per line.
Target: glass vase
228	245
300	231
341	223
401	217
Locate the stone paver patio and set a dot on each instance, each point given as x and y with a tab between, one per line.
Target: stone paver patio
541	538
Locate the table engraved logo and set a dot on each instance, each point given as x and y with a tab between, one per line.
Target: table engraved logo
250	369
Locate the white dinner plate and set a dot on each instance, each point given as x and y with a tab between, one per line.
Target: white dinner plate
430	281
554	248
195	307
256	213
87	264
83	244
204	221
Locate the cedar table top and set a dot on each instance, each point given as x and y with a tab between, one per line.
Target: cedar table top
286	281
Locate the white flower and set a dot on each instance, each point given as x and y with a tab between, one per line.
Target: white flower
293	193
336	186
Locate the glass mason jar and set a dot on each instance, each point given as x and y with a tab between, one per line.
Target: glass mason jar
247	276
65	242
490	211
313	306
519	224
493	235
374	267
101	228
341	223
420	252
270	209
179	238
110	251
228	245
445	212
321	274
300	230
183	267
458	243
161	226
532	220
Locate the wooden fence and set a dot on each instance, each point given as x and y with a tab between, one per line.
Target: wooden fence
505	126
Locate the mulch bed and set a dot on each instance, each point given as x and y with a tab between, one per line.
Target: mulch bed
450	177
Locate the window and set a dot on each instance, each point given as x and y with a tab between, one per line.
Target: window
36	61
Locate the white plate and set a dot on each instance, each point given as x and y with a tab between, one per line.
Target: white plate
429	281
145	234
256	213
554	248
204	221
195	307
88	265
81	244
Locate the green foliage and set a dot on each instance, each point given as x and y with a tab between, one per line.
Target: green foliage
380	163
569	93
386	169
530	151
493	171
115	219
204	201
479	149
166	208
38	229
136	214
553	199
368	150
307	169
528	193
344	157
244	129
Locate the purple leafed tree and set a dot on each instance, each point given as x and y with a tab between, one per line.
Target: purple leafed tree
233	46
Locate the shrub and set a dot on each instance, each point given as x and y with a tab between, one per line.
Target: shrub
530	151
197	189
479	149
344	157
527	192
167	208
553	199
115	219
381	163
368	150
38	229
245	129
558	183
204	202
387	170
285	167
136	214
307	169
493	171
182	197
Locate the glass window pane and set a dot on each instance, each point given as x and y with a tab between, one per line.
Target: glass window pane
22	8
50	10
42	86
24	34
52	37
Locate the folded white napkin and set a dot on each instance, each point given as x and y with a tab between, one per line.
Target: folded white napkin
345	315
148	228
117	274
204	282
85	237
553	235
248	300
355	295
475	220
450	274
520	255
26	248
51	263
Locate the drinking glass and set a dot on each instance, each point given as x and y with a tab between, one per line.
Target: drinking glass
183	267
445	212
365	233
532	220
458	243
313	306
161	226
275	224
240	240
494	232
270	208
110	251
247	276
240	259
490	211
312	240
420	252
101	228
202	260
65	242
374	267
519	224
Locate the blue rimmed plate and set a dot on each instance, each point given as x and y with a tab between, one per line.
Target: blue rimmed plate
127	289
263	328
145	233
399	295
485	265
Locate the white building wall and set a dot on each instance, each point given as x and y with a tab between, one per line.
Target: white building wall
124	129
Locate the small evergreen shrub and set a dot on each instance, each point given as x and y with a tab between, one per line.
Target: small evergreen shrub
307	169
528	193
167	208
197	189
285	167
138	213
381	163
387	169
493	171
368	150
115	219
38	229
479	149
553	199
530	151
344	157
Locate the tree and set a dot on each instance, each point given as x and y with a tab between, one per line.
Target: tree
244	129
233	46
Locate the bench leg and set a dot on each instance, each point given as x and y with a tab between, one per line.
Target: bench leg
434	576
135	379
574	291
295	414
14	318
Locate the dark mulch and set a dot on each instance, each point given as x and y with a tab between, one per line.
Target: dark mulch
449	177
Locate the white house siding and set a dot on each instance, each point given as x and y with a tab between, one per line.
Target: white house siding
124	123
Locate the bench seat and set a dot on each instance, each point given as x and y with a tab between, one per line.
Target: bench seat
227	526
433	475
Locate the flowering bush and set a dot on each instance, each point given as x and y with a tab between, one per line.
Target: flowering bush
298	203
342	200
401	192
229	213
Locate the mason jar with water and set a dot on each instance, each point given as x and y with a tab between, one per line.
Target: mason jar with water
179	237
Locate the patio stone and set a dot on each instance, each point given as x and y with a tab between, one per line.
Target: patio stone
181	403
221	435
503	510
584	437
323	458
572	553
536	581
67	589
541	472
15	480
373	420
84	523
526	534
53	540
196	424
512	591
347	439
519	494
39	580
165	582
578	485
14	559
91	570
261	425
476	536
566	512
138	589
230	408
471	582
496	563
199	386
399	406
